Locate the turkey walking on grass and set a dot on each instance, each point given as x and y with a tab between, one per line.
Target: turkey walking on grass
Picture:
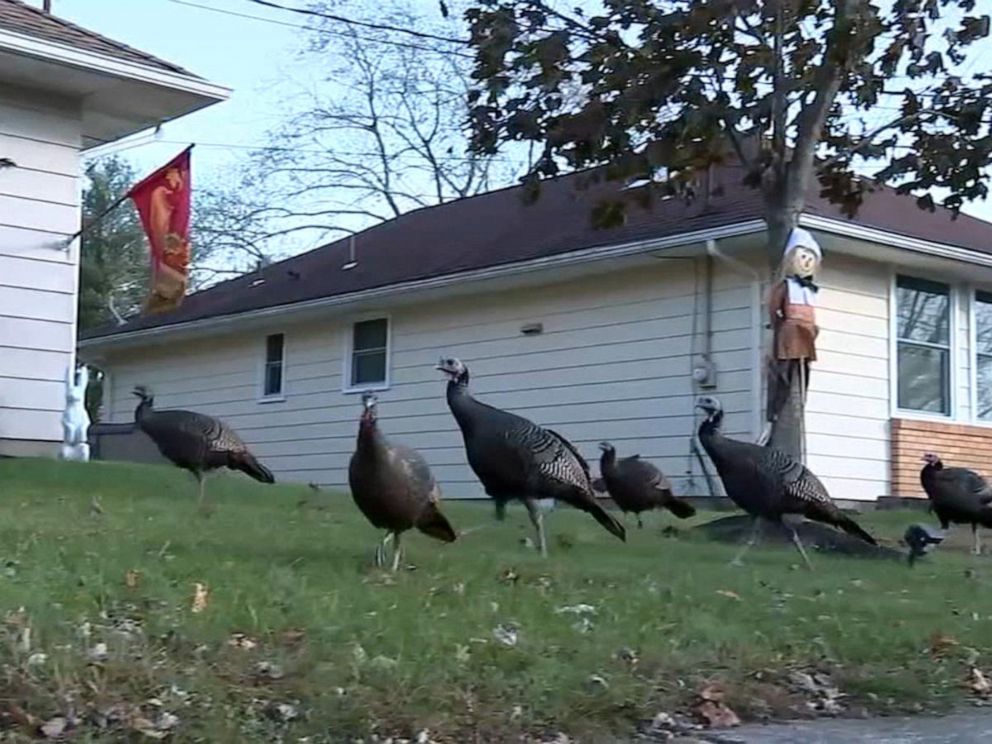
637	486
516	459
196	442
958	496
767	483
920	540
393	487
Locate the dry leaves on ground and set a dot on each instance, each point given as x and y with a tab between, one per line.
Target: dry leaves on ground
711	710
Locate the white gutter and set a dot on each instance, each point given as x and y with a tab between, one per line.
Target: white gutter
493	272
894	240
73	57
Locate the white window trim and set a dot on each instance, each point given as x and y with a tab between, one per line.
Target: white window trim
349	342
954	295
972	290
281	396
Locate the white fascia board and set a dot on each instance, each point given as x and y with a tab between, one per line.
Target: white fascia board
87	60
894	240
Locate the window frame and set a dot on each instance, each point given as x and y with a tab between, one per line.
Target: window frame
974	354
953	343
349	351
279	397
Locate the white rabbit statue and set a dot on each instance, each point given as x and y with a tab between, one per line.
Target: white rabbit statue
75	419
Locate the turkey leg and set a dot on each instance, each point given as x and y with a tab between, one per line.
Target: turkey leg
200	479
380	550
755	534
397	551
799	546
640	524
537	519
976	540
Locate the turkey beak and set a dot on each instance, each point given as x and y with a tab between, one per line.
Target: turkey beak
604	446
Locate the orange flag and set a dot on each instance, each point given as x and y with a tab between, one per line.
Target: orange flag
163	203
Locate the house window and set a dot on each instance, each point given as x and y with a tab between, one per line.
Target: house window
272	382
983	354
369	351
924	345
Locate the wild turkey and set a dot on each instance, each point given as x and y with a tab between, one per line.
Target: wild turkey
196	442
637	486
920	540
517	459
393	487
957	495
767	483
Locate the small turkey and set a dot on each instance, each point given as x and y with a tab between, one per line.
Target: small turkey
516	459
196	442
393	487
636	485
920	539
958	496
767	483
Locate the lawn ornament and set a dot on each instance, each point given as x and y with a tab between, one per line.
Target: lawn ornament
792	314
75	419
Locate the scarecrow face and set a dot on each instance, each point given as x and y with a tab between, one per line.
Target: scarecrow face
803	262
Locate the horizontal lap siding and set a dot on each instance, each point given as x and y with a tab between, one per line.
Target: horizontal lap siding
39	208
613	362
847	418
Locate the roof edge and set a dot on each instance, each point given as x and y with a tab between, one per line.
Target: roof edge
894	239
617	250
73	57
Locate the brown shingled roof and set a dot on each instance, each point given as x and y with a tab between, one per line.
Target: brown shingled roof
19	17
497	228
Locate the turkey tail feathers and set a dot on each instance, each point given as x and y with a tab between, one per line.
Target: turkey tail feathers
246	463
852	528
434	524
607	520
681	509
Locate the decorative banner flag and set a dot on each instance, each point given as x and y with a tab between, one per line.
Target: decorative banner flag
163	203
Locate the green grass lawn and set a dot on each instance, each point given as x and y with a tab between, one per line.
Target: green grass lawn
344	651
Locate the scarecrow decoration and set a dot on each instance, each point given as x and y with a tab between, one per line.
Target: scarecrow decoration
792	312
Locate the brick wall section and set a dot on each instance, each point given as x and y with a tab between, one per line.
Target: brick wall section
957	444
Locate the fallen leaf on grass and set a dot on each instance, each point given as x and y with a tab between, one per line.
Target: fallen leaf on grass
979	683
728	593
53	728
576	609
240	640
506	635
132	578
200	596
509	576
293	636
268	670
710	709
98	653
940	644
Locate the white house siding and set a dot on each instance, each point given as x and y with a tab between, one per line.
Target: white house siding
39	207
847	419
613	362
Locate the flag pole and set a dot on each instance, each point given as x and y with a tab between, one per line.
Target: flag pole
103	215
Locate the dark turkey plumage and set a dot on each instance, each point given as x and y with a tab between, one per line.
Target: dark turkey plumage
920	540
516	459
636	485
196	442
767	483
957	496
393	486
